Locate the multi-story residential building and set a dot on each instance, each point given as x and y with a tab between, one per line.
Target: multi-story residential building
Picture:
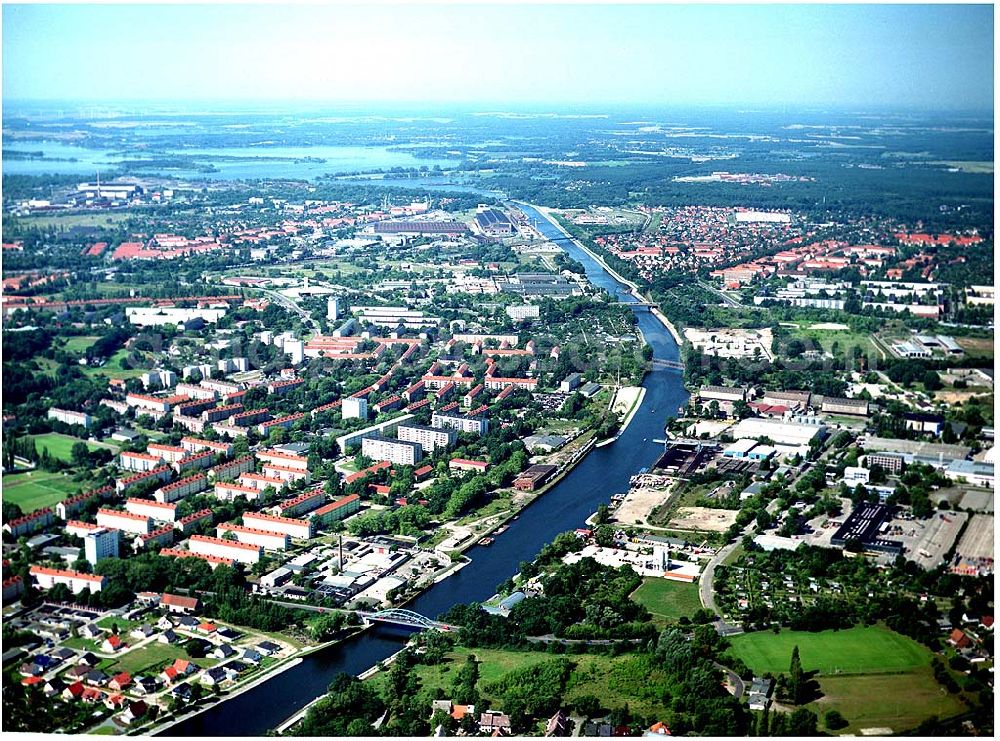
395	451
429	439
138	461
240	552
461	423
167	453
197	445
283	387
285	423
212	561
145	403
29	523
195	461
130	523
285	473
157	511
70	417
221	387
302	529
415	392
522	312
161	473
71	506
196	391
261	482
162	537
310	500
228	491
231	469
217	414
270	540
100	544
77	581
80	528
189	523
280	458
337	510
180	489
354	408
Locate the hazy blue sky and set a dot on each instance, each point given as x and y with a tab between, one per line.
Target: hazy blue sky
856	55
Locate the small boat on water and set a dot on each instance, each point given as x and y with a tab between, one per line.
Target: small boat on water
500	530
486	541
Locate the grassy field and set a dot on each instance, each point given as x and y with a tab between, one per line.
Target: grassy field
59	446
79	345
113	369
667	600
70	220
36	489
896	701
815	339
616	681
864	650
152	656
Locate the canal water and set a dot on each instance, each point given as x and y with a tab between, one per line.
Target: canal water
566	506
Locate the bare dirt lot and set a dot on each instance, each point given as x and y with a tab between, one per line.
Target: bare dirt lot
640	501
704	519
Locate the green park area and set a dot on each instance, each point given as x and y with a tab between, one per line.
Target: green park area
61	446
33	490
113	368
829	338
615	681
79	345
874	677
667	600
150	659
861	650
899	701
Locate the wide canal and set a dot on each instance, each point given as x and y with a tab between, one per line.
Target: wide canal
603	472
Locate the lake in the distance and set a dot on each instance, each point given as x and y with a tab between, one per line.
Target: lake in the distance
337	160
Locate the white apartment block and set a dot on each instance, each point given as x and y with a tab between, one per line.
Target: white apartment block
429	439
354	408
229	491
285	473
475	425
196	445
196	391
147	403
289	460
47	578
168	453
260	482
400	452
180	489
70	417
158	511
302	529
138	462
189	370
269	540
208	546
130	523
161	378
99	544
